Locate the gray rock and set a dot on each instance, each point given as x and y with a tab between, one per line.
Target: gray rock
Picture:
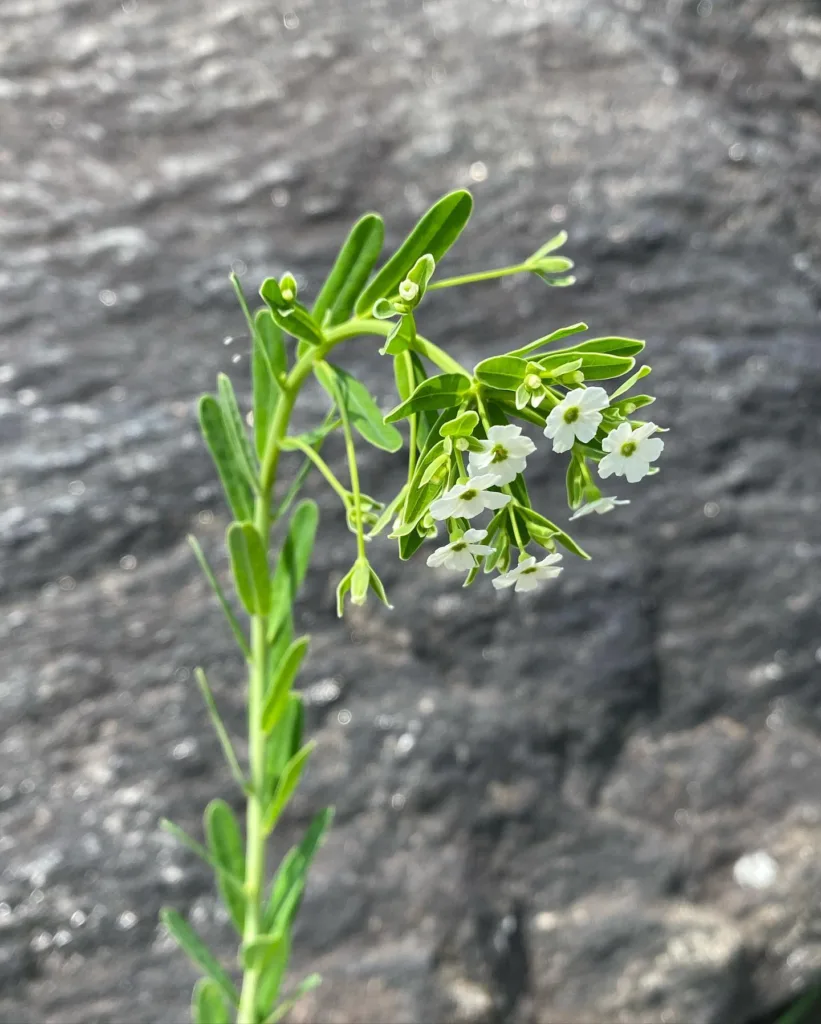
599	804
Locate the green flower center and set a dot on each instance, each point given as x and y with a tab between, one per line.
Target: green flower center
458	545
469	495
628	448
572	414
499	452
527	572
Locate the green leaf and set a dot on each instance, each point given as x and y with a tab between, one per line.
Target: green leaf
303	988
207	1004
269	954
352	268
235	429
292	563
268	364
551	265
249	563
595	365
290	879
401	338
259	952
461	426
280	687
627	406
218	438
637	376
548	339
219	728
363	412
226	846
434	234
800	1011
610	346
198	952
574	482
388	512
542	530
292	317
441	392
410	543
288	782
228	611
284	741
556	242
421	494
505	373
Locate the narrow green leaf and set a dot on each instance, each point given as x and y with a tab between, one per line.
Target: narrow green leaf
283	679
292	563
548	339
556	242
388	512
292	317
421	494
363	412
249	563
410	543
800	1011
273	962
627	406
505	373
233	622
434	234
595	365
611	346
217	437
198	952
401	338
284	741
637	376
441	392
259	952
208	1005
288	781
235	428
501	400
268	364
308	985
226	846
282	904
350	272
219	728
542	529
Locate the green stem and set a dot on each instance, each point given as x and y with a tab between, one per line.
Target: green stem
353	469
321	465
482	275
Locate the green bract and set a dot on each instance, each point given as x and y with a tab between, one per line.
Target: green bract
467	440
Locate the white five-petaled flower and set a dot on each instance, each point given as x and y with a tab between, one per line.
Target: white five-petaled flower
468	499
599	506
504	454
460	555
529	573
630	451
576	417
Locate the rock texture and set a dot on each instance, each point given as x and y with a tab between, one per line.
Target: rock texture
601	804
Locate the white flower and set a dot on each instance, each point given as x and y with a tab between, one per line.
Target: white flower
630	451
576	417
599	506
504	454
468	499
460	555
529	573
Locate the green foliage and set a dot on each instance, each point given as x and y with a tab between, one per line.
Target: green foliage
466	453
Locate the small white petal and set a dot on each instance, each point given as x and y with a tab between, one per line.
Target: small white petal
503	580
473	536
470	507
587	425
444	507
650	448
479	483
460	561
527	583
594	399
494	500
635	469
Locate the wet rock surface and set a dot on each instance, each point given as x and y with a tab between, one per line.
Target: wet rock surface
601	804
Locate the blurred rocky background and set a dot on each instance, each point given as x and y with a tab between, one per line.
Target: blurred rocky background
599	805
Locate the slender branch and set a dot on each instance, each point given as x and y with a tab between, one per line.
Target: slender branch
482	275
320	463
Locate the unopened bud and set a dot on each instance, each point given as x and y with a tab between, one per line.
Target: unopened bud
408	290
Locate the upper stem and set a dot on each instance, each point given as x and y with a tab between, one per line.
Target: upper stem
482	275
